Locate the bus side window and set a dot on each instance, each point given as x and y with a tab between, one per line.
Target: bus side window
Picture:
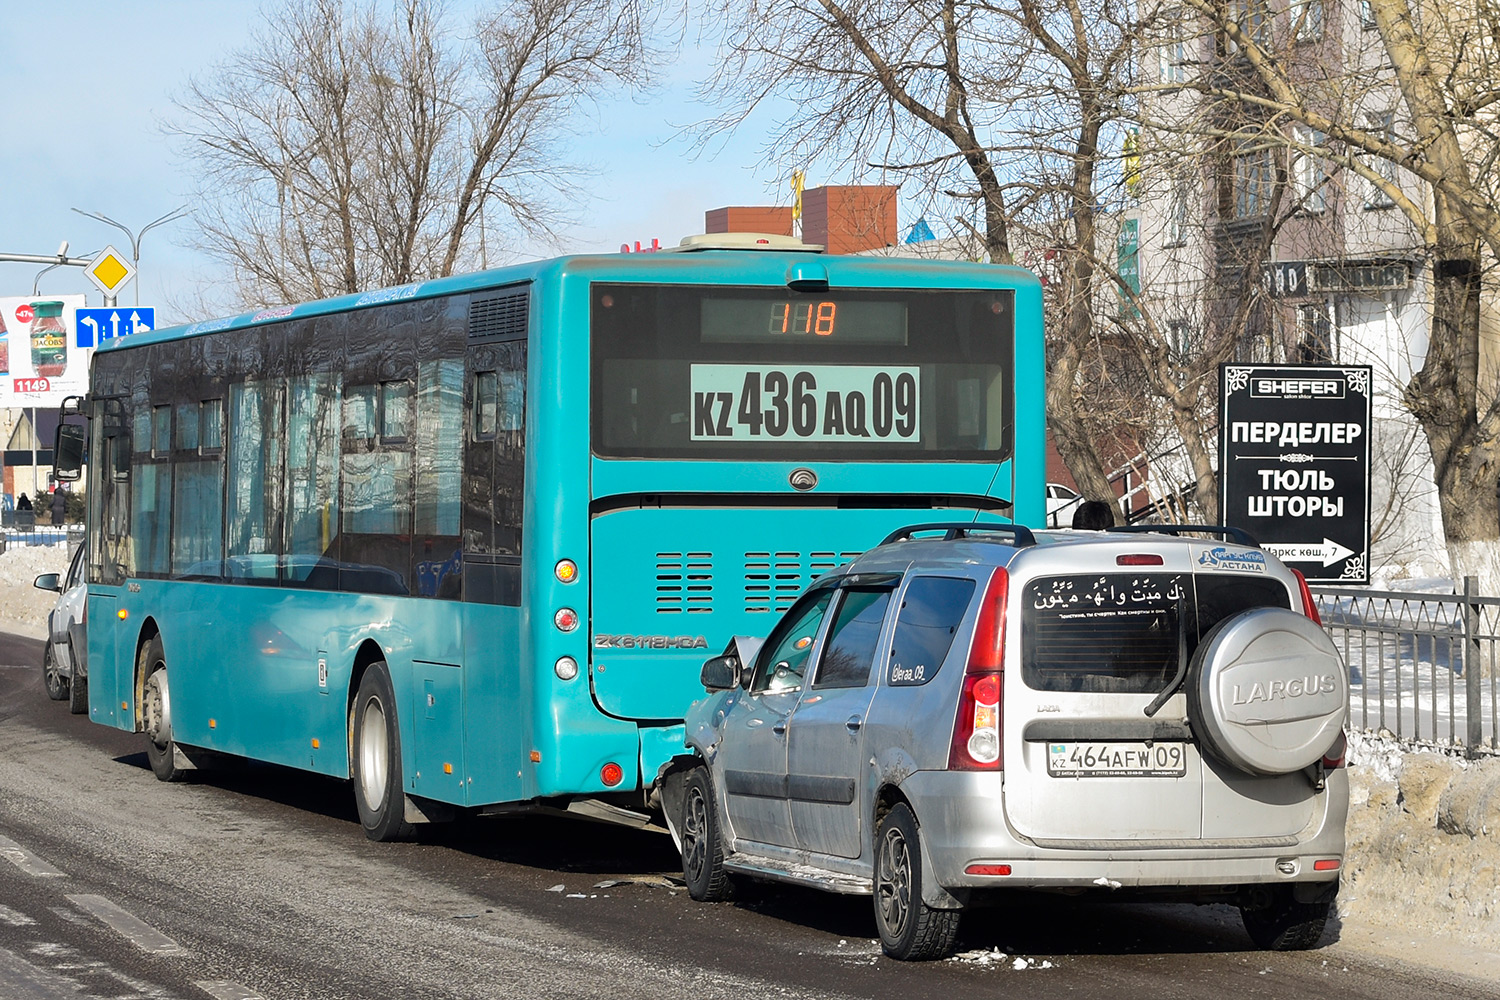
437	560
494	473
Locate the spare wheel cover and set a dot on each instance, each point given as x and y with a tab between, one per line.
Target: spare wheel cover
1268	692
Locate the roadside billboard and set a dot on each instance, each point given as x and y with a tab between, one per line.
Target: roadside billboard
1294	464
40	360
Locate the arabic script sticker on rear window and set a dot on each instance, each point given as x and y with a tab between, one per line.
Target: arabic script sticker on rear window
1236	560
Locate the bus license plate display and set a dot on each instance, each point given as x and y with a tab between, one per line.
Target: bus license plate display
805	403
1116	760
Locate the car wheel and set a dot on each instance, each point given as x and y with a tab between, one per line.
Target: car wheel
156	712
1285	924
702	842
57	684
379	792
78	687
910	930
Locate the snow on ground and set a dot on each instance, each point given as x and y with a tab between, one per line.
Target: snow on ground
23	608
1421	878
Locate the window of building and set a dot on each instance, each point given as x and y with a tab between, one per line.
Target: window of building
1173	51
1251	182
1179	211
1179	337
1366	15
1315	335
1384	126
1309	171
1307	20
1253	18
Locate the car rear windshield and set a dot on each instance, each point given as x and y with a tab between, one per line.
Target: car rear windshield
1124	632
699	371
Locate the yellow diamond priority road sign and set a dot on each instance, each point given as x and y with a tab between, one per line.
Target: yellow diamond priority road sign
109	271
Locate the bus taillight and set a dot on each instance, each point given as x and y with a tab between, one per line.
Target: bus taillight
611	774
566	619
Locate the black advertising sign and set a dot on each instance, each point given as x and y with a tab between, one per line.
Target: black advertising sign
1294	464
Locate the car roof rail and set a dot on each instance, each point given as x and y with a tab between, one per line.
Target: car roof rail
1020	535
1237	535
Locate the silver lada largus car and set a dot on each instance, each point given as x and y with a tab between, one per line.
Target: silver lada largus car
967	709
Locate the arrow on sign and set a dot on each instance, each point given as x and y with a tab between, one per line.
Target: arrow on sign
136	326
1328	553
91	321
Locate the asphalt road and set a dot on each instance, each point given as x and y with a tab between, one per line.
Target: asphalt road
261	884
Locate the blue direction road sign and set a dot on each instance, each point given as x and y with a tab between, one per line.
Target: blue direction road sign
98	325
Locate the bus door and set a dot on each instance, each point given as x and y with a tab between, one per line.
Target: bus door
493	497
110	658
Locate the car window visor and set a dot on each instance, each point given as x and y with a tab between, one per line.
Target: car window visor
868	581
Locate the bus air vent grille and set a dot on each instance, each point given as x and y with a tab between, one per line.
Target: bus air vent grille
774	579
684	582
499	315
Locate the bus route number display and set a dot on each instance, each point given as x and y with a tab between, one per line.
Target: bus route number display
805	403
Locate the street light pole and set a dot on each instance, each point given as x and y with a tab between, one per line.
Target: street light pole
135	238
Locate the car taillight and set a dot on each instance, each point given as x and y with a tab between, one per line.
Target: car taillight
1309	607
976	729
1337	754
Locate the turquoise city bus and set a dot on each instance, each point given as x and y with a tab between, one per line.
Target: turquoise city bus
468	542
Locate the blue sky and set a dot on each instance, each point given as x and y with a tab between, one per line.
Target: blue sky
85	85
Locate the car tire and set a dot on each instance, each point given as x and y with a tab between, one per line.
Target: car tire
910	930
1285	924
375	738
57	684
702	841
156	711
78	687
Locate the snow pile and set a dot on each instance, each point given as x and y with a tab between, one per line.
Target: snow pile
1423	841
23	608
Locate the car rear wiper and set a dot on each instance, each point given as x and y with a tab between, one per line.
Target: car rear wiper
1182	661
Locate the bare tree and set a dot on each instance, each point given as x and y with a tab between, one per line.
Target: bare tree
1011	107
1434	159
351	146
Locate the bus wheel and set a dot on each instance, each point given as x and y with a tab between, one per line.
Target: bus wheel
156	712
378	791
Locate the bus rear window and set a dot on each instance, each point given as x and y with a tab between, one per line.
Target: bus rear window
730	372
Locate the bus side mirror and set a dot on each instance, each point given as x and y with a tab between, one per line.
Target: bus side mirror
67	452
721	673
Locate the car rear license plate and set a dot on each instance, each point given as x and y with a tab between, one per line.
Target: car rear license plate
1116	760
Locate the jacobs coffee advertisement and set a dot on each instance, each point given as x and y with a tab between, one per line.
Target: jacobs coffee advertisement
40	360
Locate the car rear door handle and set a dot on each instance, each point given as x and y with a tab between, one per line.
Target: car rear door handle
779	728
853	723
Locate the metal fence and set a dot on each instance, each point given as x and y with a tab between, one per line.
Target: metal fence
41	534
1422	666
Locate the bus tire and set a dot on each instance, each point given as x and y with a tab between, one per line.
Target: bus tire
156	711
702	844
376	765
